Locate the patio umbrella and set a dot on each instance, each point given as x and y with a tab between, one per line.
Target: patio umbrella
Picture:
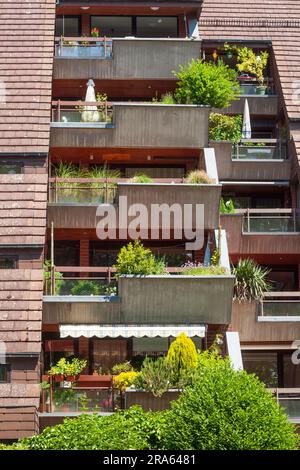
246	130
90	113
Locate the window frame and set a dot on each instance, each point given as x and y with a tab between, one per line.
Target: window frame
7	375
71	16
134	22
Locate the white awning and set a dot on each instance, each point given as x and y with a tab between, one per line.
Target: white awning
129	331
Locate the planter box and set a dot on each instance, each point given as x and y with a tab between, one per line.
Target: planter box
176	299
94	381
149	402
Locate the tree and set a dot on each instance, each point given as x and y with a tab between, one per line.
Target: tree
182	356
205	83
225	409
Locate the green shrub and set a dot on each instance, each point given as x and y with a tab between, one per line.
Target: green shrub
86	287
198	269
205	83
182	357
140	178
130	430
121	367
135	259
223	127
227	410
227	207
155	376
250	280
168	98
199	177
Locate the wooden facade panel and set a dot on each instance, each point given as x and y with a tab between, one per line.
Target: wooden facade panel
244	320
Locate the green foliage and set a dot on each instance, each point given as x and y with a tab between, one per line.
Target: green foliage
199	177
135	259
223	127
140	178
155	376
227	207
198	269
250	280
205	83
67	368
58	278
121	367
215	258
124	380
227	410
90	432
66	170
168	98
182	357
86	287
250	61
63	396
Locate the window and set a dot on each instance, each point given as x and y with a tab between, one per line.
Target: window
68	26
4	373
9	168
113	26
140	26
8	262
156	26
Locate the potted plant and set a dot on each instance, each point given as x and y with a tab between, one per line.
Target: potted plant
74	368
248	61
57	372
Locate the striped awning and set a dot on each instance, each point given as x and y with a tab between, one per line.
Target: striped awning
129	331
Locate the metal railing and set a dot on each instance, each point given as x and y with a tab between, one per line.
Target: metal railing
280	304
289	398
86	280
259	149
250	89
84	48
82	112
270	220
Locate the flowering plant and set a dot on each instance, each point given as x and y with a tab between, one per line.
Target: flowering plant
95	33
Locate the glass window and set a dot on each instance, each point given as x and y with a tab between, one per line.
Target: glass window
8	168
113	26
156	26
8	262
4	373
264	365
68	26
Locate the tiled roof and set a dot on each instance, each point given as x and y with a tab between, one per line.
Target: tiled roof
26	55
21	292
23	204
275	20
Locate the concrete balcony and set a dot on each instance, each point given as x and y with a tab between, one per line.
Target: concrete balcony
148	300
252	163
263	232
253	327
75	208
124	58
259	105
130	125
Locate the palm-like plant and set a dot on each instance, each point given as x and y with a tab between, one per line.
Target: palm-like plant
250	280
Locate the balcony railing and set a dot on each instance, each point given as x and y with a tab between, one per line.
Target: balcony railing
259	149
250	89
279	306
84	112
271	221
84	48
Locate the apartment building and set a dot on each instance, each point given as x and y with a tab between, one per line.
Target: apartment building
81	116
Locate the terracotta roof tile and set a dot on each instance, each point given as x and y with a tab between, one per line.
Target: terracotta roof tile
26	55
275	20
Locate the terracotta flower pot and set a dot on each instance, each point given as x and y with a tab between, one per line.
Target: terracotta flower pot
71	378
58	378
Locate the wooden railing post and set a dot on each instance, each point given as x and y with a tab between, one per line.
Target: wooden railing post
58	111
